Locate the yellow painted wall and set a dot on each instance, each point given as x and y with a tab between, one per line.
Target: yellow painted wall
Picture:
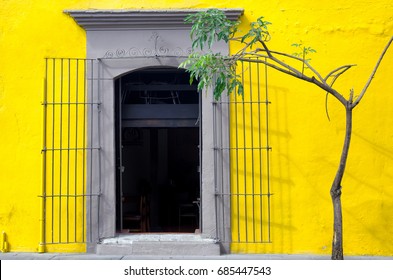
306	145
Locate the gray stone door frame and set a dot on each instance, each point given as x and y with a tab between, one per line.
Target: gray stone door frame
124	41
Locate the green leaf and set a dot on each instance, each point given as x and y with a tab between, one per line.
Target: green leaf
209	26
240	89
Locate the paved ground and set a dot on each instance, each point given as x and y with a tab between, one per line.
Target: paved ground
51	256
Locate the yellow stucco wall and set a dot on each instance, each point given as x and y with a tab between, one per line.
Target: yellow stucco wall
306	146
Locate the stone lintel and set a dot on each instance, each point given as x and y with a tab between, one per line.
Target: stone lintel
92	20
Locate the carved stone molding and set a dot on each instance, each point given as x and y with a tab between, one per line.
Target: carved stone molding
156	46
92	20
139	52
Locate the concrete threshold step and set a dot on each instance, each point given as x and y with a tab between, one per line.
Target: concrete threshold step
159	244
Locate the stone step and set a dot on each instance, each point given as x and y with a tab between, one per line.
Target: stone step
159	244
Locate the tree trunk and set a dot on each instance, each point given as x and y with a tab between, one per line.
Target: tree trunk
337	244
335	191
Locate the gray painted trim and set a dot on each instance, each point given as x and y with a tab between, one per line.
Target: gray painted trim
223	180
108	71
139	19
135	46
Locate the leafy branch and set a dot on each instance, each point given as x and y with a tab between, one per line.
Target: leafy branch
209	27
303	53
219	71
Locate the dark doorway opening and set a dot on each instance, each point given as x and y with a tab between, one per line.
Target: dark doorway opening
157	151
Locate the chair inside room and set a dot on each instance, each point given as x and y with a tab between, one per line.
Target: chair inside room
189	215
135	214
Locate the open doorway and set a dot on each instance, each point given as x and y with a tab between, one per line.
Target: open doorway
157	151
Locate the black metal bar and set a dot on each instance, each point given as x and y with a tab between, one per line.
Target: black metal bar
247	242
44	155
216	201
84	163
245	162
245	194
84	150
53	143
244	148
68	152
223	202
260	153
200	147
73	103
219	166
120	153
243	102
61	144
237	168
76	151
267	154
91	121
230	179
65	243
252	153
70	195
68	146
71	149
98	151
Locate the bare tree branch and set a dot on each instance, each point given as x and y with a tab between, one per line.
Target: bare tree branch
294	71
344	68
341	70
295	58
372	74
283	70
315	72
300	76
326	106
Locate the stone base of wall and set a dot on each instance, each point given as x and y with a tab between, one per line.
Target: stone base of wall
159	244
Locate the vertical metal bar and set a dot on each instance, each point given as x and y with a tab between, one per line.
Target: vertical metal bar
216	192
219	164
76	148
200	159
229	143
41	246
90	146
217	156
99	149
61	148
252	153
61	145
267	150
260	152
68	149
237	164
221	150
85	170
53	145
245	164
85	94
120	153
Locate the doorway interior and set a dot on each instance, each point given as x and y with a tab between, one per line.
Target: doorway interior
157	151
